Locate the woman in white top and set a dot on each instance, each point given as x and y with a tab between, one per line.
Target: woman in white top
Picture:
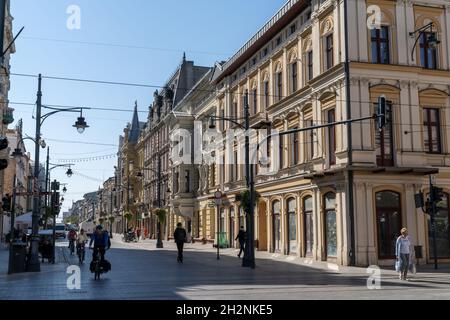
403	252
82	237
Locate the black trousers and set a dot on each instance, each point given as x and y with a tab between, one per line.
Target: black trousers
97	250
180	246
242	245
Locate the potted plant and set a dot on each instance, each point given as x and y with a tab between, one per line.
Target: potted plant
111	219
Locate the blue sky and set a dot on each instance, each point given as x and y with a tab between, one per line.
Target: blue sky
208	30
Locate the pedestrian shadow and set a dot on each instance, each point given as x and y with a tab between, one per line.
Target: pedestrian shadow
155	274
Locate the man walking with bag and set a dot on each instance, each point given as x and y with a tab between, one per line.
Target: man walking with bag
242	237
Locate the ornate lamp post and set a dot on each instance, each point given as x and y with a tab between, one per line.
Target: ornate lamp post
34	263
159	243
431	40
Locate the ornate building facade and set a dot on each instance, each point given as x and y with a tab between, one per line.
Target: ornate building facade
342	193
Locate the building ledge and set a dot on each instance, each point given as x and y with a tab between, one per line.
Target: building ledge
416	171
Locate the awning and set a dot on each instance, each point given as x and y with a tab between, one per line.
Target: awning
26	218
187	212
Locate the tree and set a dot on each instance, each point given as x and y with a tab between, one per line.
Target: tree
128	216
244	199
72	220
161	214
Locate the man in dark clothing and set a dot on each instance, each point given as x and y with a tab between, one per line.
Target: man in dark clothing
101	242
242	236
180	238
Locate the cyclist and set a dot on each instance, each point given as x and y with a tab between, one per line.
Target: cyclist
72	236
82	238
101	242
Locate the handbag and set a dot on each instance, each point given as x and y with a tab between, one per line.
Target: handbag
398	264
412	267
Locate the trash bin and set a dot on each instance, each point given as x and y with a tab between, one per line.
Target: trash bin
223	240
19	257
418	252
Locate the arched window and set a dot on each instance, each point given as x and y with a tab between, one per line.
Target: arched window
242	218
293	72
278	77
232	230
380	48
276	223
308	223
442	229
265	91
389	222
308	59
330	224
327	43
292	225
222	220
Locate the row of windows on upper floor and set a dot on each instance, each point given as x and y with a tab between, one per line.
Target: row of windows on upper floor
290	148
381	48
261	98
274	44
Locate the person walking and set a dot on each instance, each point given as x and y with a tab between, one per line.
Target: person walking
403	253
138	233
145	233
242	237
180	238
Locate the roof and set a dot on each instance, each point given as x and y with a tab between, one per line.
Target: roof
282	18
135	126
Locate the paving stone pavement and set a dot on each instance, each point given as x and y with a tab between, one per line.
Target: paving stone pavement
140	271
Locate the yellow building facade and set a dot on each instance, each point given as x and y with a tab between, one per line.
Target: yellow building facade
336	197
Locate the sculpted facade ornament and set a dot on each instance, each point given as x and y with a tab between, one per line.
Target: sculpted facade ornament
327	26
403	84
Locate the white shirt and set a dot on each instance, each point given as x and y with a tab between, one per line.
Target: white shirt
405	245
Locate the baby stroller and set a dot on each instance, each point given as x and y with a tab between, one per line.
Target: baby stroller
46	249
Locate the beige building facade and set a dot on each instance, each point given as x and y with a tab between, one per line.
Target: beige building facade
336	197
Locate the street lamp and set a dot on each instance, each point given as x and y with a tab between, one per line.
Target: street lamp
34	263
431	39
249	253
69	173
159	243
18	151
81	124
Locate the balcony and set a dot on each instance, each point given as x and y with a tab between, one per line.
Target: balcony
8	117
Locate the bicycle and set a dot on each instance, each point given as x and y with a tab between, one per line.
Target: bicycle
98	267
72	246
81	251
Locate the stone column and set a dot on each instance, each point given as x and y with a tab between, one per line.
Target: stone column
361	30
410	26
319	246
269	226
371	226
415	118
300	227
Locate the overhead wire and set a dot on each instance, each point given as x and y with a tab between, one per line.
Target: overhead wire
119	45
